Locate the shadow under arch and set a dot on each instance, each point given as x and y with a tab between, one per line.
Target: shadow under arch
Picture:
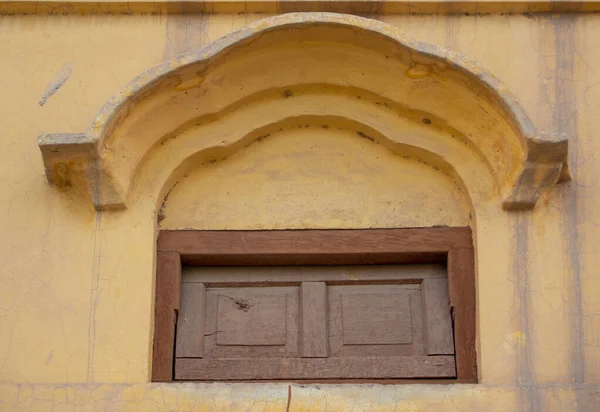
178	156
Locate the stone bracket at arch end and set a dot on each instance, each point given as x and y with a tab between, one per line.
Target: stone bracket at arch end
72	159
546	166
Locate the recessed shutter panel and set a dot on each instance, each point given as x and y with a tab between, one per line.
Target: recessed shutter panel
316	326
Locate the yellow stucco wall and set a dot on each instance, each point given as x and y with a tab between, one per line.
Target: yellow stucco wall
76	286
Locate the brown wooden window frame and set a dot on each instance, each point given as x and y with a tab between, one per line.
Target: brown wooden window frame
450	245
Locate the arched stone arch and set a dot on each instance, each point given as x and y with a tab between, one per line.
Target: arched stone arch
417	99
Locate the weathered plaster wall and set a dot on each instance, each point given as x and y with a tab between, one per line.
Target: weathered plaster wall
76	286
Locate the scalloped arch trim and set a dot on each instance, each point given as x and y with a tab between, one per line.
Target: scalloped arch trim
441	97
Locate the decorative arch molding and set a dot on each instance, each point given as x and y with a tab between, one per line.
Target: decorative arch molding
416	99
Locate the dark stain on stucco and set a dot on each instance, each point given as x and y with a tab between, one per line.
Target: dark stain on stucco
186	30
365	136
565	120
95	289
525	393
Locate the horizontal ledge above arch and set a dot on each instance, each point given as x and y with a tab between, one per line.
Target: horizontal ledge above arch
85	159
438	7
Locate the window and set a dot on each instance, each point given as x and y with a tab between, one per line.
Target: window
316	305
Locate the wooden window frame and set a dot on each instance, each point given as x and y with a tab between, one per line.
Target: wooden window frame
450	245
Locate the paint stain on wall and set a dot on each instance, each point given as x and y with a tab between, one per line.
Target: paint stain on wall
60	78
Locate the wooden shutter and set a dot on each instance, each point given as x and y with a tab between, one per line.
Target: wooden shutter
362	322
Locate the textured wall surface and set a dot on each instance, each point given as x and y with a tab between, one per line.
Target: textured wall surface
76	286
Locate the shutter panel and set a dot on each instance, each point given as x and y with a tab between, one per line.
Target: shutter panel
438	324
297	327
251	322
313	307
376	321
190	322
